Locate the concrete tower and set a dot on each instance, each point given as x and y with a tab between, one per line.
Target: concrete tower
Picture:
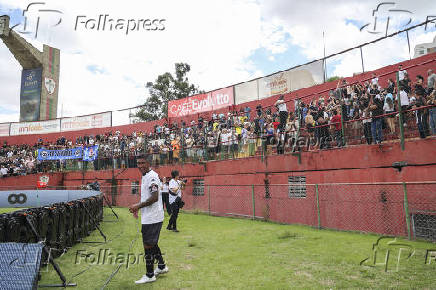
39	78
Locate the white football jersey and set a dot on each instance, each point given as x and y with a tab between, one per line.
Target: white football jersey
153	213
173	184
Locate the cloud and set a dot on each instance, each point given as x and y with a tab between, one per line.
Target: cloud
306	21
10	75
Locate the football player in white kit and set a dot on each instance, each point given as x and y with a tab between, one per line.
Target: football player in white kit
152	216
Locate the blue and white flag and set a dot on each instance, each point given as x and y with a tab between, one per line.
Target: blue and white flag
73	153
90	153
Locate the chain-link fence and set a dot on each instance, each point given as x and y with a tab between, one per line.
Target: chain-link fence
398	209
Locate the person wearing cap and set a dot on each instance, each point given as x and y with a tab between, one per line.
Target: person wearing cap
152	216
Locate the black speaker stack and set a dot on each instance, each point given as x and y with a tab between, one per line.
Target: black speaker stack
60	225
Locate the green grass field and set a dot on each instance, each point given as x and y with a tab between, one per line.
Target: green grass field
8	209
215	252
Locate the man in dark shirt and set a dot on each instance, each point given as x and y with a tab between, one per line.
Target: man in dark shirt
419	89
421	114
376	108
323	130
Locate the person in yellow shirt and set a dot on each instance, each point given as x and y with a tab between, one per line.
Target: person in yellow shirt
175	144
215	125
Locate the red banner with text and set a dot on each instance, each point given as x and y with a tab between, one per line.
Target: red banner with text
200	103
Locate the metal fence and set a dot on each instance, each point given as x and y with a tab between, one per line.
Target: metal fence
398	209
322	137
395	208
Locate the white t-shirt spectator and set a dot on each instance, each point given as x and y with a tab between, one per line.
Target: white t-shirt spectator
174	184
132	145
281	105
387	109
153	213
404	98
401	74
225	138
189	142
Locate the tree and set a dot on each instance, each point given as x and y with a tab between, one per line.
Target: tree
335	78
166	88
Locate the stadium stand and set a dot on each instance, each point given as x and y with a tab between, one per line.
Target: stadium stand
351	111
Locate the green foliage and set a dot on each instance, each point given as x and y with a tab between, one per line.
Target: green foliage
334	78
166	88
228	253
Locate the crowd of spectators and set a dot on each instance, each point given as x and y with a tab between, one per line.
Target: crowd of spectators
363	110
371	109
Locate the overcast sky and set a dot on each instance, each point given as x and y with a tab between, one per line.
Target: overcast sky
225	42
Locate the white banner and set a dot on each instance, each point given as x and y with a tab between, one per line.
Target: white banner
4	129
276	84
39	127
86	122
246	92
306	76
280	83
